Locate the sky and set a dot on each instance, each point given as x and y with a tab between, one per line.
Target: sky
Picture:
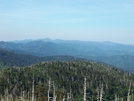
87	20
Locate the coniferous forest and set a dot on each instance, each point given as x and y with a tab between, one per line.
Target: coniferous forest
66	81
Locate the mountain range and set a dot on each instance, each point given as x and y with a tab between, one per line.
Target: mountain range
119	55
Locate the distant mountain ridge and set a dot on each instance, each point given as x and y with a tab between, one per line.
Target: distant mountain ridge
119	55
69	47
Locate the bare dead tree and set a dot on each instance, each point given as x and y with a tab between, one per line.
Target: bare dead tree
63	98
7	94
128	95
2	99
84	89
101	92
98	94
23	96
49	84
70	94
54	95
68	98
33	89
132	96
116	97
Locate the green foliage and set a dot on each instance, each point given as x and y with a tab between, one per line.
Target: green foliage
66	76
40	93
9	58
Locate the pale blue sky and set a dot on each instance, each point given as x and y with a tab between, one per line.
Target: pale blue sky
91	20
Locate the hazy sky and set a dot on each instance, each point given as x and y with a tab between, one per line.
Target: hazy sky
92	20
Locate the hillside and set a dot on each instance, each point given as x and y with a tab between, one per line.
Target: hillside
10	58
67	78
124	62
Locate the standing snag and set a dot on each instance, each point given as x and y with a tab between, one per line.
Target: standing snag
33	89
84	89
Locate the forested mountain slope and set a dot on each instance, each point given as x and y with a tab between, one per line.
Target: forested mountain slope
67	80
124	62
10	58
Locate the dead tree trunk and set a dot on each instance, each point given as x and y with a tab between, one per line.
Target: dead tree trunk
84	89
68	98
128	95
70	94
63	98
54	95
49	84
33	90
116	97
98	94
101	92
